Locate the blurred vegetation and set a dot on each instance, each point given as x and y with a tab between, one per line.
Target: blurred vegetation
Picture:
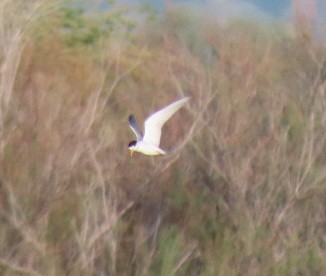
244	192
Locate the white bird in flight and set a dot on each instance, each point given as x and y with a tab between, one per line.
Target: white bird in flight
148	143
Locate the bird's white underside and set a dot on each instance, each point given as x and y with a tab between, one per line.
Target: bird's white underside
148	149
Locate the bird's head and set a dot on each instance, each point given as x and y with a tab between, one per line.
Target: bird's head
132	147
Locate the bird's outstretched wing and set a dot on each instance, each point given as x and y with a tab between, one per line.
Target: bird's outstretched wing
154	123
135	128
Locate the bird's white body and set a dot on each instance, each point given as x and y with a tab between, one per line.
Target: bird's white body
148	149
149	143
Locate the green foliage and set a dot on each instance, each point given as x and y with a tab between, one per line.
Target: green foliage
89	29
80	28
150	12
168	254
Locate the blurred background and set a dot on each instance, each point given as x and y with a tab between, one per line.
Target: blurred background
244	192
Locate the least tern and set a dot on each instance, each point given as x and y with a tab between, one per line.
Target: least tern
148	143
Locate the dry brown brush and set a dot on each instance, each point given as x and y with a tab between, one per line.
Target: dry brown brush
242	191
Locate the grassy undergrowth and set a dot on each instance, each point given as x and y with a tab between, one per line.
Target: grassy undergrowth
243	195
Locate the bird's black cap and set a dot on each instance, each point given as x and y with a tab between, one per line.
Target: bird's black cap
132	143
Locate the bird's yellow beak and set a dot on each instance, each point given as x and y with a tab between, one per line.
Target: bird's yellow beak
131	153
